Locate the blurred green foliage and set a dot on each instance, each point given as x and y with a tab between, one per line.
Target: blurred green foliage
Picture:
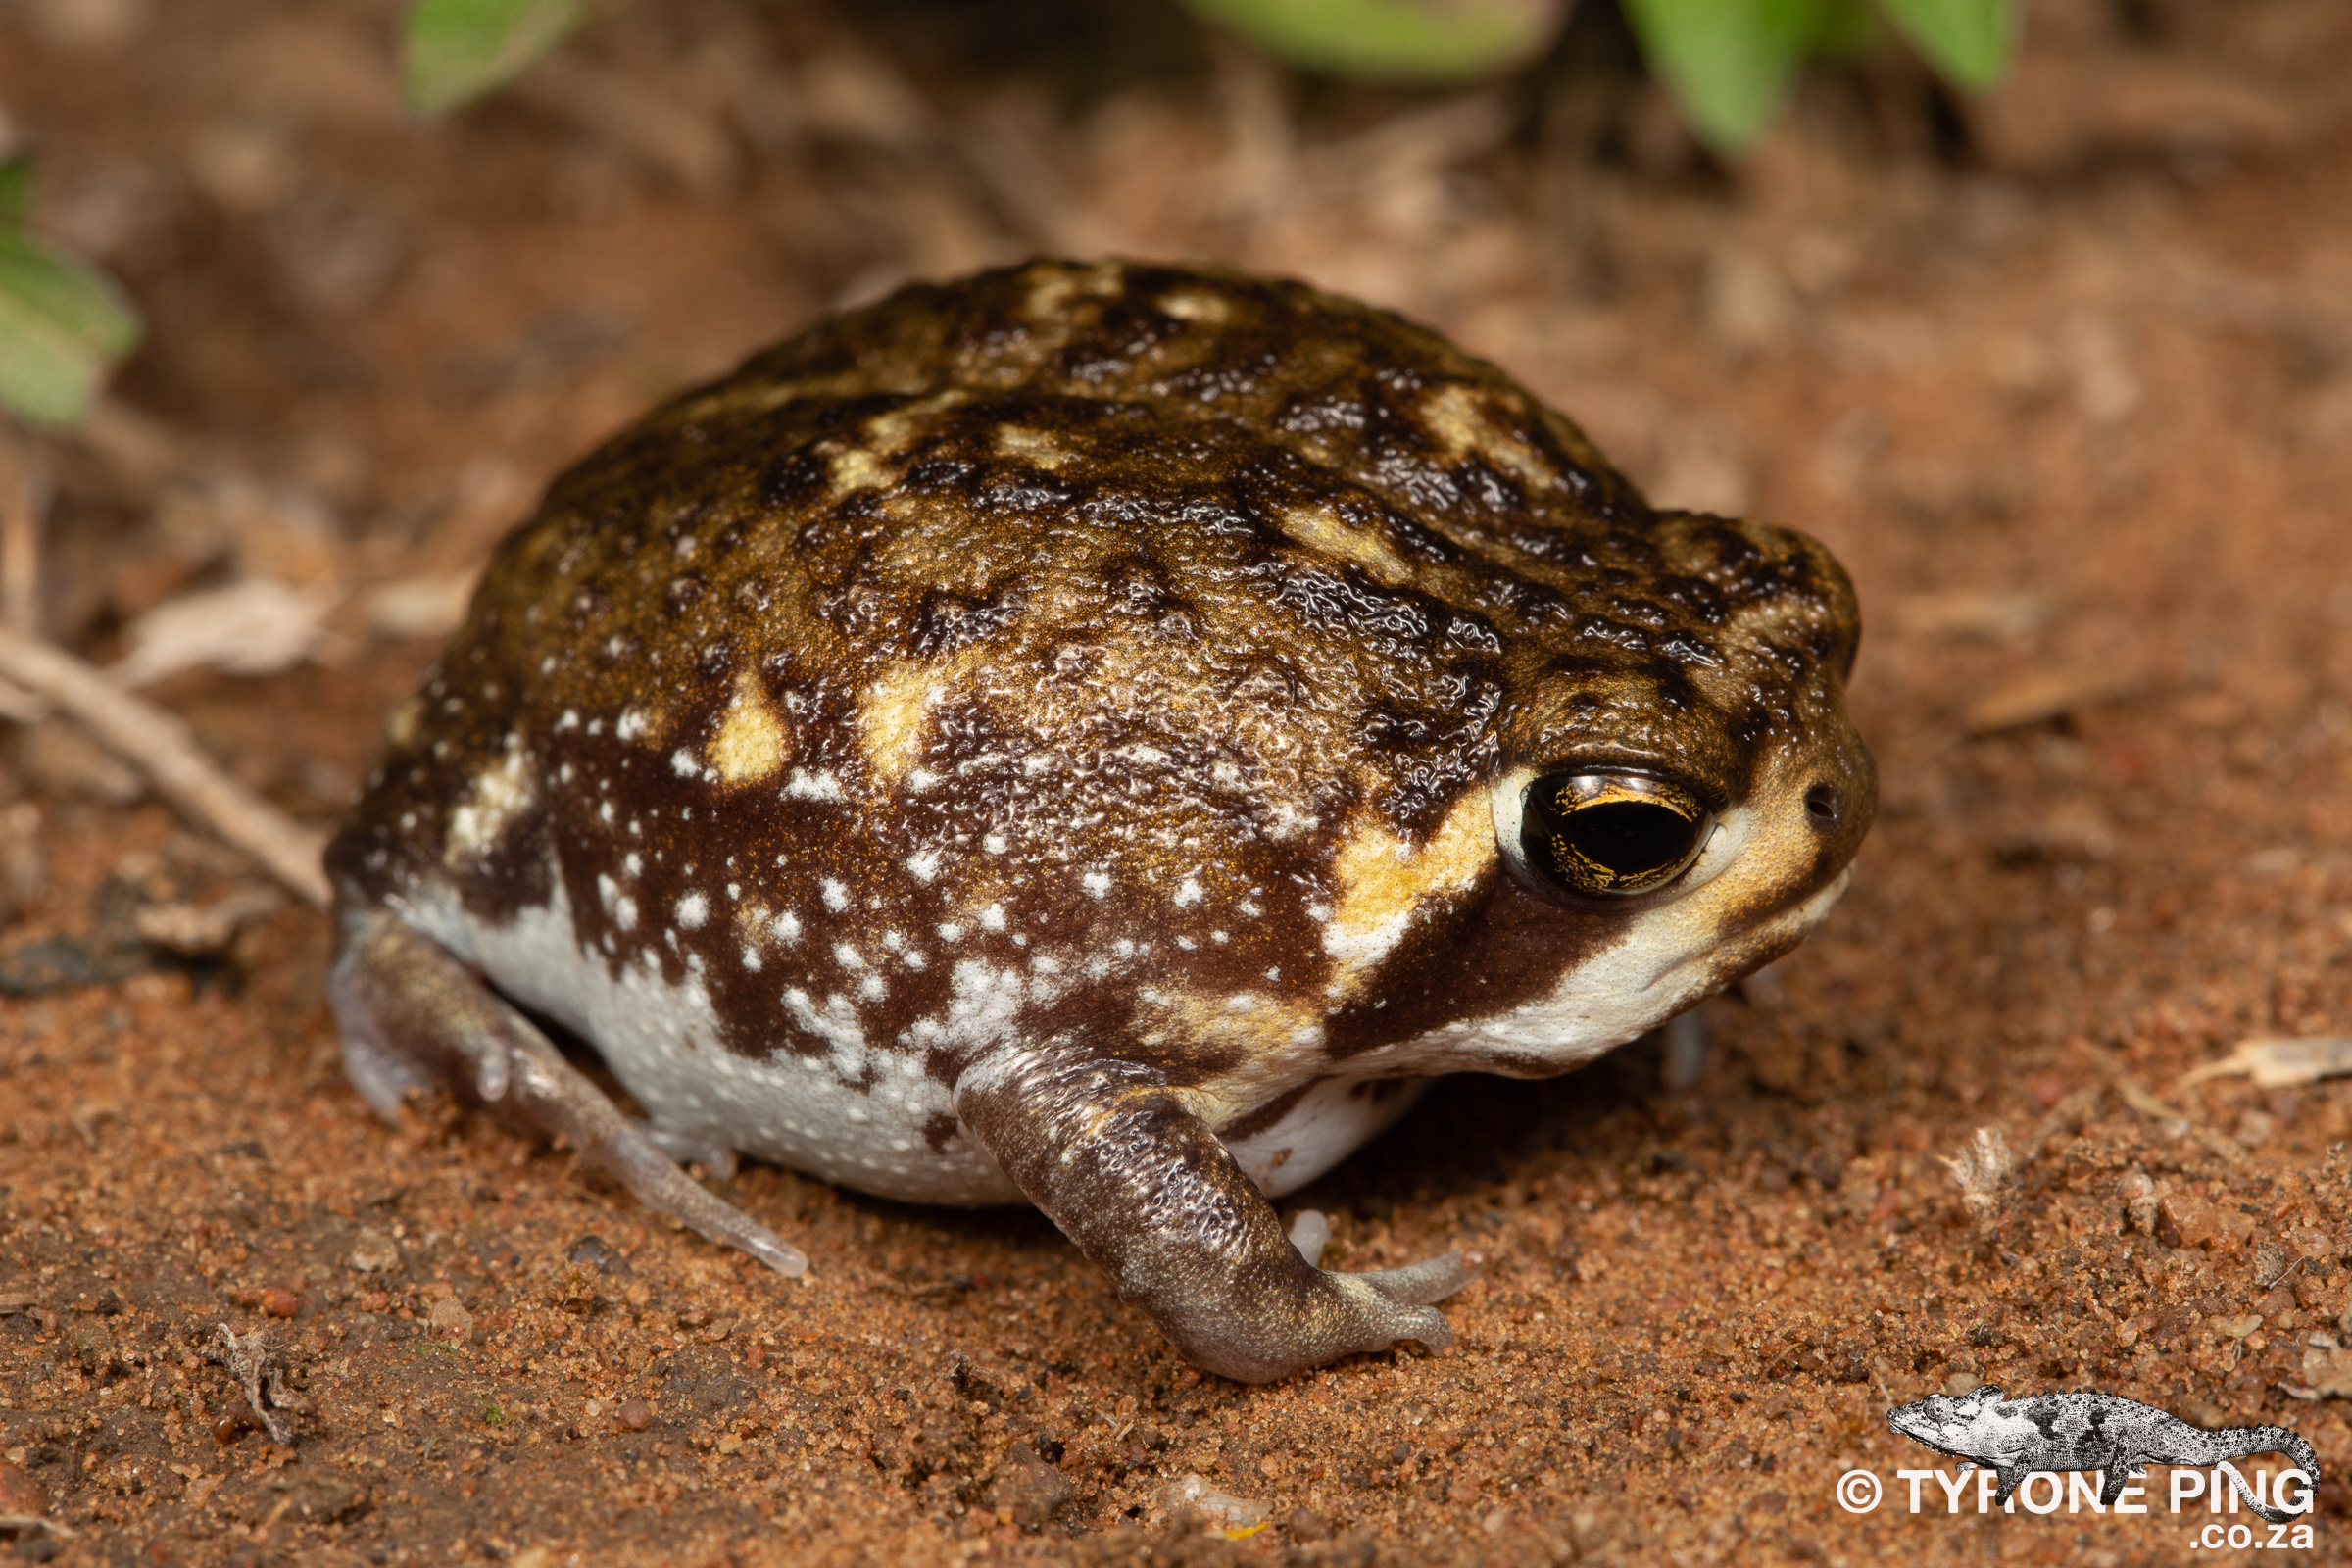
454	51
1730	63
1425	40
62	321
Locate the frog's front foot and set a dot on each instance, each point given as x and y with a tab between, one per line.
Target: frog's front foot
413	1015
1115	1157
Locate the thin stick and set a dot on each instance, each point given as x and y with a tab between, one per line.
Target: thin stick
23	504
161	747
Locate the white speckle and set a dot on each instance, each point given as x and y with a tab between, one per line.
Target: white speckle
750	957
604	813
498	794
1143	756
1097	883
1289	821
991	918
892	940
570	719
408	821
1249	907
996	843
837	1026
913	958
636	828
632	723
734	890
1318	911
624	912
1037	763
1123	948
1186	942
848	956
693	910
608	892
632	864
806	786
1218	936
682	764
1045	964
563	773
837	897
950	932
786	926
923	864
872	989
1188	891
596	726
920	779
1274	973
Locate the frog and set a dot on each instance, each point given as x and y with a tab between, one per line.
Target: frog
1098	734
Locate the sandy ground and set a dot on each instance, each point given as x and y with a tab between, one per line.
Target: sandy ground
2065	377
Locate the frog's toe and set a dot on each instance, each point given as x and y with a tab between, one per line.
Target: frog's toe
412	1015
692	1148
1428	1282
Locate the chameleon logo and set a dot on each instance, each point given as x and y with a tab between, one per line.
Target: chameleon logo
2083	1430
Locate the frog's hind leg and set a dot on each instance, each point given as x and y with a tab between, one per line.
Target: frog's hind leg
412	1015
1115	1157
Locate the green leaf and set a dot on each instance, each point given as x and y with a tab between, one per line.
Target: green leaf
1426	40
16	190
1730	63
1968	41
453	51
62	324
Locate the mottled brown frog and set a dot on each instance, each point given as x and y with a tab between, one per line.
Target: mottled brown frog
1100	735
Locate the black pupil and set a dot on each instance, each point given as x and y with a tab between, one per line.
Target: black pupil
1629	837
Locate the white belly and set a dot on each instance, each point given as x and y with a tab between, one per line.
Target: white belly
818	1114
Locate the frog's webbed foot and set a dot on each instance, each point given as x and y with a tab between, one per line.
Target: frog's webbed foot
1116	1159
413	1015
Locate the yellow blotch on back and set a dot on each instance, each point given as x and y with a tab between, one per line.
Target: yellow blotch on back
856	469
1322	529
894	714
751	741
1195	304
1458	415
1385	881
1040	447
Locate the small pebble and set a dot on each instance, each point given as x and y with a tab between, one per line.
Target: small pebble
1306	1524
633	1414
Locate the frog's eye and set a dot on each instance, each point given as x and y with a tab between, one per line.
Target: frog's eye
1612	833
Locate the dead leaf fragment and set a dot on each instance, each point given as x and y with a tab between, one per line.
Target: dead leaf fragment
2282	1062
259	626
2038	699
205	930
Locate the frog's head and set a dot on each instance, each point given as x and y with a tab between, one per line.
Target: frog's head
1679	774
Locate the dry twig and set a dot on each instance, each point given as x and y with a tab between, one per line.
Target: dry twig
250	1360
161	747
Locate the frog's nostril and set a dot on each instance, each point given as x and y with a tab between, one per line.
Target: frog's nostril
1824	804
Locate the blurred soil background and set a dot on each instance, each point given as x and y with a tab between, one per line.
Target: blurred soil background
2064	376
